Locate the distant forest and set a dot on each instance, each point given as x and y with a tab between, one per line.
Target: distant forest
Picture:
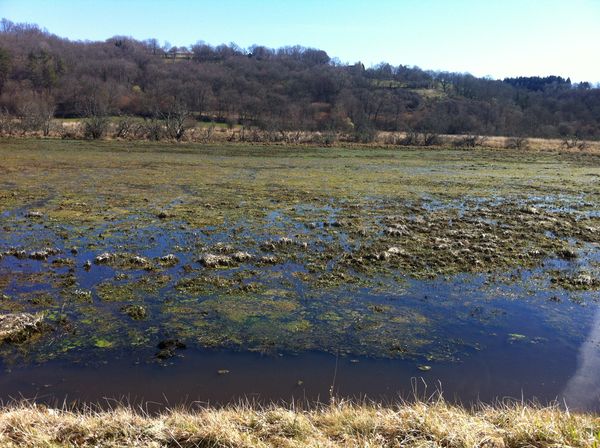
291	88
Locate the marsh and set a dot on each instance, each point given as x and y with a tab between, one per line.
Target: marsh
156	266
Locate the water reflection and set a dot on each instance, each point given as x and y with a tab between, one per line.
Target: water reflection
583	388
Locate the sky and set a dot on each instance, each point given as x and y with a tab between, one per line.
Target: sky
496	38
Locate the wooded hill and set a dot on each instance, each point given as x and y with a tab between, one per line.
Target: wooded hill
291	88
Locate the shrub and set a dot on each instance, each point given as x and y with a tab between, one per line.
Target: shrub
413	138
364	134
574	142
470	141
125	128
7	123
95	127
327	138
410	139
69	132
431	139
517	143
153	129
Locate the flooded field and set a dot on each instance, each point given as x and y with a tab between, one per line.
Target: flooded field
178	273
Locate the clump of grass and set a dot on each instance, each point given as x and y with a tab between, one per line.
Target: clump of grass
419	424
17	327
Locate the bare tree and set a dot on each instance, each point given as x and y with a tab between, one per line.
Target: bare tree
207	132
574	142
176	120
153	129
36	112
4	66
94	108
125	127
290	89
7	122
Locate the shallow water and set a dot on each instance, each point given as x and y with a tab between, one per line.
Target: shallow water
476	304
486	337
516	373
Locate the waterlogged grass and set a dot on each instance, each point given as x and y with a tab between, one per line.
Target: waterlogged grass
396	253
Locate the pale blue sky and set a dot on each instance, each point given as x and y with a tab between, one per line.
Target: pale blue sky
484	37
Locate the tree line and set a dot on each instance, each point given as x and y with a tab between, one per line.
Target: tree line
43	76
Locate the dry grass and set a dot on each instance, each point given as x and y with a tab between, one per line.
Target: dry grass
497	142
211	133
17	327
422	424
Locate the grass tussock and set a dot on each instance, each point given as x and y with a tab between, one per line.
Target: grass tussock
422	424
16	327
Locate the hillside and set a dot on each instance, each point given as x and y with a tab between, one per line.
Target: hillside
293	88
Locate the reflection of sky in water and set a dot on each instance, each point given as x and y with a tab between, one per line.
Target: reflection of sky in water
583	388
470	314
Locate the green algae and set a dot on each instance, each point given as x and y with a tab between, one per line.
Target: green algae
136	312
110	292
103	343
445	213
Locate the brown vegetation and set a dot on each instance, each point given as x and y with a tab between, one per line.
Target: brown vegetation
132	129
19	326
420	424
274	90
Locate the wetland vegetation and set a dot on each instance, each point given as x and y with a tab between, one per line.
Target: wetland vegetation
219	246
426	255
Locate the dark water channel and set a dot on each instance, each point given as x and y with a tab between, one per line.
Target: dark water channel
517	372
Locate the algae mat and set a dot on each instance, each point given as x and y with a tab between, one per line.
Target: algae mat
434	258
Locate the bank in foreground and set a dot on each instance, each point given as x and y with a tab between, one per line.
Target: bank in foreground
434	423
